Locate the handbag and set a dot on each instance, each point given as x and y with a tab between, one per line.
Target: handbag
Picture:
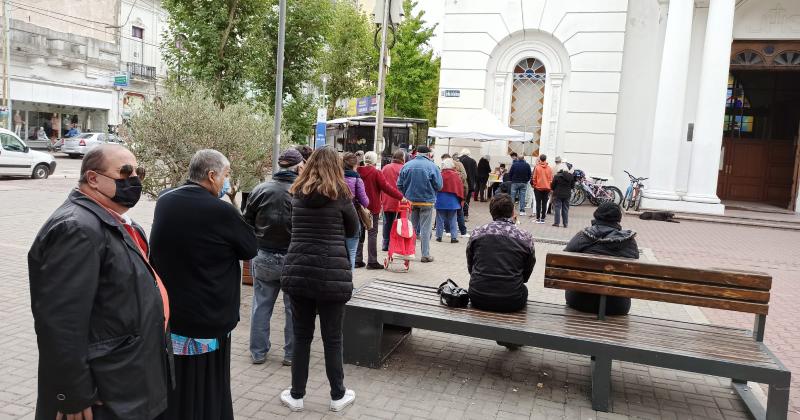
453	296
364	215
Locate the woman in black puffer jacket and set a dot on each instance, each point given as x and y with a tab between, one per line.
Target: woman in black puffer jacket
604	237
316	273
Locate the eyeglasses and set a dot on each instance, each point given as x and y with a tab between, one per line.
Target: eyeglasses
127	171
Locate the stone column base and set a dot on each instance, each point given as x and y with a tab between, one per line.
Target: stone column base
682	206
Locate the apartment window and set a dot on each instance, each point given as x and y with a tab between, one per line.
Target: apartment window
137	32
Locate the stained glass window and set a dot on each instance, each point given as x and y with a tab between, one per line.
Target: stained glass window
788	58
527	98
748	58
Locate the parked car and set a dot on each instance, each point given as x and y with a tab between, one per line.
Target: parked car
39	143
17	159
78	146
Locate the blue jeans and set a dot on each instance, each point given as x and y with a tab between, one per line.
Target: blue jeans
352	246
266	268
561	210
446	218
462	225
518	190
421	219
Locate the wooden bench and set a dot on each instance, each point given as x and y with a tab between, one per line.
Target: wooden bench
382	313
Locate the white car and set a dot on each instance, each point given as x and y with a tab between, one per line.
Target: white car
78	146
17	159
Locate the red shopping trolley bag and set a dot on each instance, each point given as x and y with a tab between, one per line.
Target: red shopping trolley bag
402	241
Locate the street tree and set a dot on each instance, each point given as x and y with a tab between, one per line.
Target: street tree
350	58
214	42
412	83
165	134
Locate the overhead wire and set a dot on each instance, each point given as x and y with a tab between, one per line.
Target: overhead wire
47	14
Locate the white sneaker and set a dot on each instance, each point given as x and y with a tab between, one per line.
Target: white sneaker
465	236
522	213
342	403
293	404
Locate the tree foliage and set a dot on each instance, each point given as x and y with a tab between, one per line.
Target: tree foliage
215	42
350	58
412	83
165	134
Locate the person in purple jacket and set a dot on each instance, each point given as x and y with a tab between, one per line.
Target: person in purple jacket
356	184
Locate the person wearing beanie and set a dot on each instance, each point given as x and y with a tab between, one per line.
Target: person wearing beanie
269	212
376	187
604	237
419	181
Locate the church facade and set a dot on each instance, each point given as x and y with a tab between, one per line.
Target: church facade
701	96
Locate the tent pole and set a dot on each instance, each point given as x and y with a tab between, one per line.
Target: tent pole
449	139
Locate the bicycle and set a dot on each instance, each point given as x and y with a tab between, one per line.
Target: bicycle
596	192
633	195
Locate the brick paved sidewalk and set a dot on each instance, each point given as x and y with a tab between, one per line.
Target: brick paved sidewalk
441	376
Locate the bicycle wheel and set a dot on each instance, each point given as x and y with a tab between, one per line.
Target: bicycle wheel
638	201
616	194
577	197
627	201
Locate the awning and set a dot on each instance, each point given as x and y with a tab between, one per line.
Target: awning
482	126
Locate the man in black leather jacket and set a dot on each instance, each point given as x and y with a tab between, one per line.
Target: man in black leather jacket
269	211
99	309
604	237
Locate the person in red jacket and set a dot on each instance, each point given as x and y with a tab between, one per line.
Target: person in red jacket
390	204
541	181
376	187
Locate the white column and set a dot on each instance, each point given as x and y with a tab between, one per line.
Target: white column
711	106
668	127
556	82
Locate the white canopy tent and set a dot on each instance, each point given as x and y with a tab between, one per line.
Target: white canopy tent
481	126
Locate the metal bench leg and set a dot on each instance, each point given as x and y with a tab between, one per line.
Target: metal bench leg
601	383
778	401
362	335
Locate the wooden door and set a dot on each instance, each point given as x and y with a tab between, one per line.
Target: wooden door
744	170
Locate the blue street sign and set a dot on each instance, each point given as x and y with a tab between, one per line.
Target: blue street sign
320	135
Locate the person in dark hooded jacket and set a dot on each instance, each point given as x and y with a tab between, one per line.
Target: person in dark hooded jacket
604	237
317	274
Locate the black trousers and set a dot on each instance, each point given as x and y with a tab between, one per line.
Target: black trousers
467	199
482	189
541	203
331	316
203	386
590	303
388	221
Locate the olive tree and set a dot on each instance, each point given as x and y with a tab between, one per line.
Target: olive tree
164	135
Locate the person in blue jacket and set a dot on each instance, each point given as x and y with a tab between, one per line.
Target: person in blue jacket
520	177
419	181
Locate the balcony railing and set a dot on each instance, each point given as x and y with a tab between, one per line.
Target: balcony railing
140	71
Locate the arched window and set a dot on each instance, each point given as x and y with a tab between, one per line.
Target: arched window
748	58
527	99
788	58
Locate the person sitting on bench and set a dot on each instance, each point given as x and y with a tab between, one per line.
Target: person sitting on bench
604	237
500	259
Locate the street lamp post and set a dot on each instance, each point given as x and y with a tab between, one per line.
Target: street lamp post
324	79
279	85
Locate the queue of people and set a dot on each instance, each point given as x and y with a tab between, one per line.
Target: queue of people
304	236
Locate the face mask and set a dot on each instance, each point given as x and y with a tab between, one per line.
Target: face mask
226	187
128	190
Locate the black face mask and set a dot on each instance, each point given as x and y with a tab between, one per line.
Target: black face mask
128	190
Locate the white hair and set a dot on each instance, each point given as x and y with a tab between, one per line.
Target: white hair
370	158
465	152
448	164
205	161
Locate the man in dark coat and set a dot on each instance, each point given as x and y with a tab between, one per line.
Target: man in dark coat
198	241
269	211
562	186
500	260
604	237
484	169
472	178
99	309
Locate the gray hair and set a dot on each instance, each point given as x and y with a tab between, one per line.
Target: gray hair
205	161
448	164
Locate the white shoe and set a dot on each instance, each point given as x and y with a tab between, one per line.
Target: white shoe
293	404
465	236
342	403
522	213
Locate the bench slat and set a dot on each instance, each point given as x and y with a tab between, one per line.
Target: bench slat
730	305
689	288
591	262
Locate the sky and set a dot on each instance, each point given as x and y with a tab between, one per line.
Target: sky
434	13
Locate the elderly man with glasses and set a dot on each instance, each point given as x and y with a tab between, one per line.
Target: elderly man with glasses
100	310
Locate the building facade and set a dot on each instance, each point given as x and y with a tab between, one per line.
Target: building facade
701	96
66	55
